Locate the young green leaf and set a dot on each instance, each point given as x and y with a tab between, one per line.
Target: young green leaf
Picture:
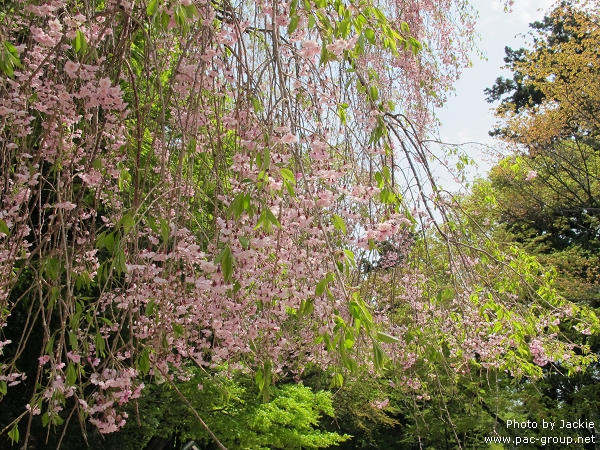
271	218
71	374
244	241
177	328
100	344
387	338
4	228
144	362
152	8
227	264
320	288
13	434
293	24
338	223
288	175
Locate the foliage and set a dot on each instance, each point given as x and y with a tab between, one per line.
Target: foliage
234	412
542	198
197	183
552	95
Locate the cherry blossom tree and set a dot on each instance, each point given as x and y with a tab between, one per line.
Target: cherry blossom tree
201	183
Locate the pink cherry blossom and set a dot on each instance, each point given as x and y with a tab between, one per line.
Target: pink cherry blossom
289	139
67	206
70	68
310	49
531	175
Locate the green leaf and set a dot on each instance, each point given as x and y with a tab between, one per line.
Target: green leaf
289	188
165	230
45	420
258	379
387	338
80	43
387	196
348	342
378	356
177	328
52	268
446	294
360	45
120	262
100	344
293	24
150	308
7	68
354	310
344	28
306	307
337	381
11	48
372	245
353	365
4	228
220	256
227	264
358	310
179	16
246	205
271	218
13	434
266	160
370	36
374	93
9	59
127	222
244	241
379	180
73	340
165	19
237	206
338	223
497	327
288	175
265	379
107	321
320	288
342	115
144	362
386	173
3	387
190	11
152	7
71	374
257	105
350	256
262	221
109	242
100	240
50	345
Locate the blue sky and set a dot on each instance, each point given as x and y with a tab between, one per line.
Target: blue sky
467	116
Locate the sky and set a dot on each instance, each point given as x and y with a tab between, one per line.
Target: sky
467	117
